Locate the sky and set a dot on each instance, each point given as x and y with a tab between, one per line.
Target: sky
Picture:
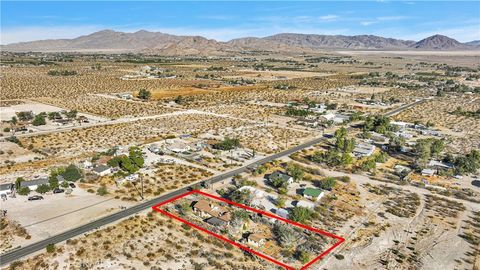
412	20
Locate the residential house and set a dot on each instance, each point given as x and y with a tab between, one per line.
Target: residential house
256	239
336	118
33	184
207	209
363	150
102	170
314	194
278	174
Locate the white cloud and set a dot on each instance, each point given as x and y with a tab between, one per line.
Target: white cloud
392	18
328	17
367	23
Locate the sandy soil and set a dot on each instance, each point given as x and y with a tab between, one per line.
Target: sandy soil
58	212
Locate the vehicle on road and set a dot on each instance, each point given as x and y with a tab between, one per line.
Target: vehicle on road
58	190
35	198
72	185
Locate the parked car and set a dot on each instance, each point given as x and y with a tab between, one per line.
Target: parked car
58	190
35	198
72	185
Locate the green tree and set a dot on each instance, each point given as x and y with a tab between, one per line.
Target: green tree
23	191
241	196
50	248
278	182
25	115
144	94
42	189
326	183
470	163
368	165
280	201
136	155
301	214
303	256
71	114
39	120
285	235
295	171
18	182
227	144
72	173
102	191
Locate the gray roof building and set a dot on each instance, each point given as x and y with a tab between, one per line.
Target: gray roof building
216	221
101	168
34	182
5	187
279	174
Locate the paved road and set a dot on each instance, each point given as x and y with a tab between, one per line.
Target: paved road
404	107
24	251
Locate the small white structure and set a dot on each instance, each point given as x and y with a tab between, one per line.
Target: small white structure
439	164
404	135
178	147
102	170
125	96
319	108
87	164
254	191
154	149
313	194
428	172
256	239
306	204
129	178
166	161
400	125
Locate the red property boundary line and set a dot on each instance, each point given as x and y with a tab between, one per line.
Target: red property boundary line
323	254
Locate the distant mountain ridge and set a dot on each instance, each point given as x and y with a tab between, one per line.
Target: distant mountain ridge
155	42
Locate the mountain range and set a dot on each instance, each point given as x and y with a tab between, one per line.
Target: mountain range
160	43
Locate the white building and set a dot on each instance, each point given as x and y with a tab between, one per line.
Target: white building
306	204
33	184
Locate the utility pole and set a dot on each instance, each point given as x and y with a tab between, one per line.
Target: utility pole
141	179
